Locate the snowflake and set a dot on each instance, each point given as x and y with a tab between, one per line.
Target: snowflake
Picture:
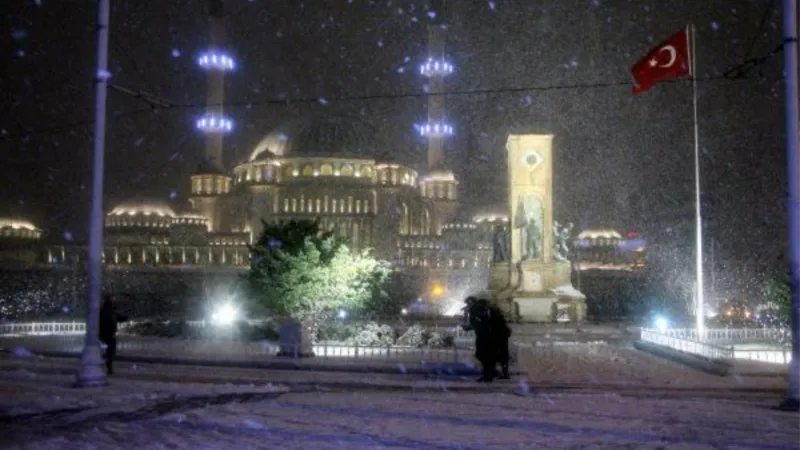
176	53
380	44
492	6
432	14
401	69
322	101
19	34
715	25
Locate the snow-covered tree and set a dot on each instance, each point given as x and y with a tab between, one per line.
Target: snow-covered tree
304	273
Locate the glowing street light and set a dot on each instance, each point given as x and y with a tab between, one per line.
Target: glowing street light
225	315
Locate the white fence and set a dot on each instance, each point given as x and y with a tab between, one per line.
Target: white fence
686	345
706	349
769	356
729	334
232	350
67	328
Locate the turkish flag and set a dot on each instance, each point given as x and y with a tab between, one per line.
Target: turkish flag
669	60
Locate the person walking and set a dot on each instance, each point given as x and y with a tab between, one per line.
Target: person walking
108	330
500	335
477	318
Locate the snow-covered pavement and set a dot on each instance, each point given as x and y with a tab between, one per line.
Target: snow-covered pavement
158	416
576	397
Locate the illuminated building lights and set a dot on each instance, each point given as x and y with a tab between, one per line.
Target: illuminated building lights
435	129
214	124
215	60
433	68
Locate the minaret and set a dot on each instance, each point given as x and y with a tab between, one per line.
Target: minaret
209	181
436	68
440	185
216	62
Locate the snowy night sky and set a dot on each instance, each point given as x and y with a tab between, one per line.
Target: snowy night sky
623	161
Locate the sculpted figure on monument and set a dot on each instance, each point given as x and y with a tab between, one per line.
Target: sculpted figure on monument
500	239
530	217
561	238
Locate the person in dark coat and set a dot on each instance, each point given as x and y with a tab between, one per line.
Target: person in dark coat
500	334
108	330
478	319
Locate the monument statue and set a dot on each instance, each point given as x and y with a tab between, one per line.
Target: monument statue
530	217
500	239
561	238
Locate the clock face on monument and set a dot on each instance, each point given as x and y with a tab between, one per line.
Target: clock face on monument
532	159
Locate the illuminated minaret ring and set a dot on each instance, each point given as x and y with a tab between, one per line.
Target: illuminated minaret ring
216	63
436	68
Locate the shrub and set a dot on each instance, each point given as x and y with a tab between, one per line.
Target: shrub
415	336
373	334
436	340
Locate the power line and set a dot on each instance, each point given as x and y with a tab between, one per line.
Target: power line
764	17
70	126
158	103
410	95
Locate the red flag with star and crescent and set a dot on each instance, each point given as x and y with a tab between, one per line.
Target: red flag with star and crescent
669	60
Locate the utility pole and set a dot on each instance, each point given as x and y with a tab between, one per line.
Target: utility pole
792	400
91	373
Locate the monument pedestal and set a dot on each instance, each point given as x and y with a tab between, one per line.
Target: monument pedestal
537	291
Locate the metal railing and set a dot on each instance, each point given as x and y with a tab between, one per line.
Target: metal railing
39	328
78	327
728	334
178	348
703	349
768	356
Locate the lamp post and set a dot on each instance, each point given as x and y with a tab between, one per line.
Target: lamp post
91	372
792	401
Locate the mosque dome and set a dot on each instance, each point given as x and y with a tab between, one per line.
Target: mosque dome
15	228
319	136
145	207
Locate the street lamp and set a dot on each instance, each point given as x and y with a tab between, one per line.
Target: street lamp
792	401
91	373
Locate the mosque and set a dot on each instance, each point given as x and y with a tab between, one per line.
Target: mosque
315	168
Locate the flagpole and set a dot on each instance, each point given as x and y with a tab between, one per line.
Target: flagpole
700	297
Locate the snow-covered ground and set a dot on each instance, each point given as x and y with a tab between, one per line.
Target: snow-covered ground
627	399
128	419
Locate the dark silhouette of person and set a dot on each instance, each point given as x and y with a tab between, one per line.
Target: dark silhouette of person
108	330
500	334
478	319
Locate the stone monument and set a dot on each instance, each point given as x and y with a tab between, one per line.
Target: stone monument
533	281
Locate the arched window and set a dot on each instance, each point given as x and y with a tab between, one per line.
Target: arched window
425	222
347	170
326	170
288	171
269	172
366	171
404	219
308	170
